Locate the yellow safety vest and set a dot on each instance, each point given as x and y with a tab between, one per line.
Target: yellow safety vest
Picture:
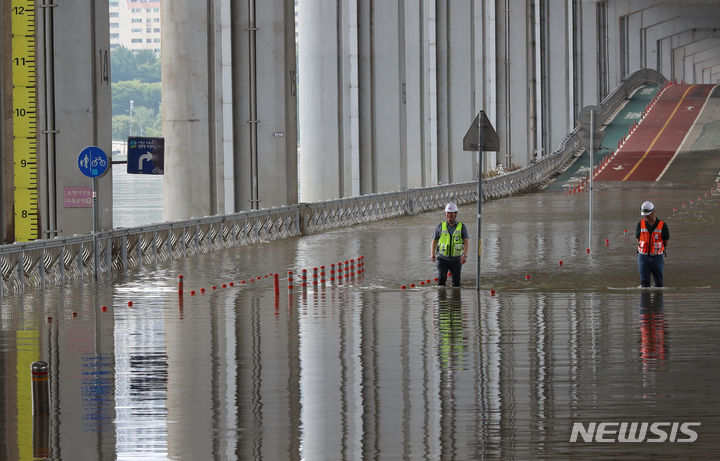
450	245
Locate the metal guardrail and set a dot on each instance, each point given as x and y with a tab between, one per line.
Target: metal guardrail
53	261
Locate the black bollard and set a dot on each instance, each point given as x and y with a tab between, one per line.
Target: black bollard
41	437
40	388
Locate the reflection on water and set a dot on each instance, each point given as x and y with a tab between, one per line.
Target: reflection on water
367	370
653	348
137	198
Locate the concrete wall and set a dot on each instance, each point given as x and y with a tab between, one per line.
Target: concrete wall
80	112
73	94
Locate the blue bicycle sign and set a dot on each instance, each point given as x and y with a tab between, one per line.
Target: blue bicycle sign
93	162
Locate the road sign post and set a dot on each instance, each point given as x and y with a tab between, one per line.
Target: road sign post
480	136
93	163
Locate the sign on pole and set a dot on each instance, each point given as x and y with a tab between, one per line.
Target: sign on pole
145	155
93	162
480	136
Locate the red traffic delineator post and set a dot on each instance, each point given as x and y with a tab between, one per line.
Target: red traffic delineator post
322	275
180	284
276	283
290	280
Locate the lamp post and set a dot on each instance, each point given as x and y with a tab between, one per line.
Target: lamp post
132	106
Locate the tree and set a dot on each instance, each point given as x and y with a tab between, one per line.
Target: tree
142	94
142	65
145	122
120	127
136	78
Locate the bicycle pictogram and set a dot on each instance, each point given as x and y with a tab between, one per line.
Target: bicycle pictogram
98	162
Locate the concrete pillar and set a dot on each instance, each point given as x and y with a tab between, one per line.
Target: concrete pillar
187	71
73	112
229	117
387	91
81	113
265	103
514	74
559	96
459	86
444	158
361	97
488	76
588	65
429	93
319	100
350	102
366	123
413	79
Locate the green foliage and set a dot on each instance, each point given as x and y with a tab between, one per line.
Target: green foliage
142	65
136	78
145	122
142	94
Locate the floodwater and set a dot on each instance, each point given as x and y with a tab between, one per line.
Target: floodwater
137	198
368	370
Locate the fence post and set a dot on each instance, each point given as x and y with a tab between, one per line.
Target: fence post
302	210
123	252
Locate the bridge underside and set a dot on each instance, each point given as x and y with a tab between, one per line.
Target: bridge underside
375	96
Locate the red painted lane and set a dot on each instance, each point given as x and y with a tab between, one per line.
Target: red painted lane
655	141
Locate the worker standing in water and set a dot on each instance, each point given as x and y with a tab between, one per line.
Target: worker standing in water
652	235
450	246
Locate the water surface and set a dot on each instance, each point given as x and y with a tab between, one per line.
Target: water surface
367	370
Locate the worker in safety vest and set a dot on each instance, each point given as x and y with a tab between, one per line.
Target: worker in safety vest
450	246
652	235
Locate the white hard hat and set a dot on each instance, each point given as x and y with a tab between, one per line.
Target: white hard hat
451	208
647	208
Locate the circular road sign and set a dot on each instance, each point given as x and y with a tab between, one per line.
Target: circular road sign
93	162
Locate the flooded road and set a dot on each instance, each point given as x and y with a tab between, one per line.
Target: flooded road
368	370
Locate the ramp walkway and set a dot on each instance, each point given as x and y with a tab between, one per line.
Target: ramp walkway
666	134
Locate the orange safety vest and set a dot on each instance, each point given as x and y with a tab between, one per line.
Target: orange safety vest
651	243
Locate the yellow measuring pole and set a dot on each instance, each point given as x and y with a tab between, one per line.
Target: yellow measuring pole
24	116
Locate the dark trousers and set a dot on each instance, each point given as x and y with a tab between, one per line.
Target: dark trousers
651	265
453	265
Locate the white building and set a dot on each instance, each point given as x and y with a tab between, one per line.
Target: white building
135	24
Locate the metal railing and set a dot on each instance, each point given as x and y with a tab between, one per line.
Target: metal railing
53	261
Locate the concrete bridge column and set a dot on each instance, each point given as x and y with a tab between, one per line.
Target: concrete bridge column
188	100
218	75
72	65
457	89
264	80
320	96
515	71
558	100
401	125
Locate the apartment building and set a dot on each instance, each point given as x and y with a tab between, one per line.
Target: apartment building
135	24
